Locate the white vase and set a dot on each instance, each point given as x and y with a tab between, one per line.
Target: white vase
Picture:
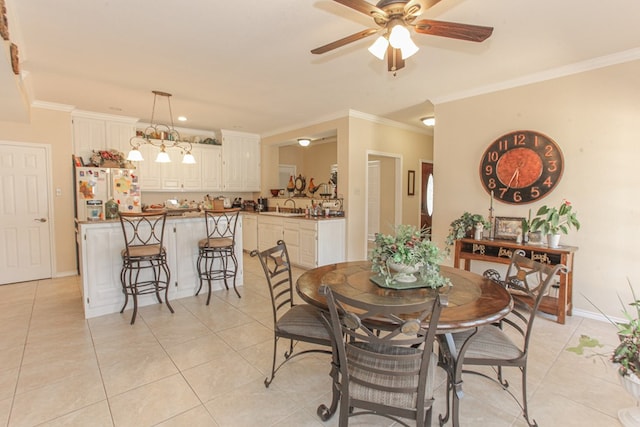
404	272
553	240
630	417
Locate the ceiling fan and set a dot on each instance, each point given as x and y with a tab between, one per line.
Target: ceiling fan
393	17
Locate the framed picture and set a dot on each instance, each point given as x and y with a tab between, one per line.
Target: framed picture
535	238
508	228
411	183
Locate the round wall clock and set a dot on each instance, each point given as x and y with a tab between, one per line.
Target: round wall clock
521	167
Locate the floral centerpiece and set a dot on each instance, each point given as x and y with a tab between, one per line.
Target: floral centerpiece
409	247
109	159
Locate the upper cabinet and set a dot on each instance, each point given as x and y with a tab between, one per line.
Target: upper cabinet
240	161
233	166
92	132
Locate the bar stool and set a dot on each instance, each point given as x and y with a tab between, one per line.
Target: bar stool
216	253
144	258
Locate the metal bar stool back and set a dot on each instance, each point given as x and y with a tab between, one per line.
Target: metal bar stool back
144	258
216	253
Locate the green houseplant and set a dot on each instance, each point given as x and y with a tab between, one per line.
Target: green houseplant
552	221
464	224
627	354
411	247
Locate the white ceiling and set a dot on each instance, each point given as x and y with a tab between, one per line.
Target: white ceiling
246	65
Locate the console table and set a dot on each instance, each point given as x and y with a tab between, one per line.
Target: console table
500	251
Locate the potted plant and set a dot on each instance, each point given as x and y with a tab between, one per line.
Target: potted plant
627	355
407	252
553	221
462	226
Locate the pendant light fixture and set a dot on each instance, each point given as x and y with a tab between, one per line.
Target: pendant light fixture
161	136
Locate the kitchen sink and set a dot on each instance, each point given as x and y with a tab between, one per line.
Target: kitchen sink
285	214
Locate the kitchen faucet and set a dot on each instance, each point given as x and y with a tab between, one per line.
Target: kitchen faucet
289	200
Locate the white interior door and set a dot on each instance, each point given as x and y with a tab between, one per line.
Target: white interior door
25	233
373	200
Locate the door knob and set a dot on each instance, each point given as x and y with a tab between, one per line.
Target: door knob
41	219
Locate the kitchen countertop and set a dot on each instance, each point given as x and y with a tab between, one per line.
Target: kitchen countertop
190	215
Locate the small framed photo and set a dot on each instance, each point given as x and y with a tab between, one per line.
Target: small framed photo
535	238
508	228
411	183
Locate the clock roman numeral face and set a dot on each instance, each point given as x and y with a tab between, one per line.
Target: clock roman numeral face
521	167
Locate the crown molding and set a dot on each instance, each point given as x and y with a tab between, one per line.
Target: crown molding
575	68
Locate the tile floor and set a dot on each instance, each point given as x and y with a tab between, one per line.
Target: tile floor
205	366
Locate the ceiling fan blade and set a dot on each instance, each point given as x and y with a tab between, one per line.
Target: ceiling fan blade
474	33
415	8
394	59
362	6
344	41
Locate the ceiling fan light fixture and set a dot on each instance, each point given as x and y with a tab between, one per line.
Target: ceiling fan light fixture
409	49
304	142
379	47
399	36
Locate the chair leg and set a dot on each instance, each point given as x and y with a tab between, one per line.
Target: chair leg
199	267
167	272
235	272
525	406
267	381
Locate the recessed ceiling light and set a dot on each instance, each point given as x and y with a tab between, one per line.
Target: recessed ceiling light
428	121
182	119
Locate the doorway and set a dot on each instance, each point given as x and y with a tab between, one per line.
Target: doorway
383	195
25	227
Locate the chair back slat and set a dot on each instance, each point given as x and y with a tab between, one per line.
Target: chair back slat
277	269
143	229
221	224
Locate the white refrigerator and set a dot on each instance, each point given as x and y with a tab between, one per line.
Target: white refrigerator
94	186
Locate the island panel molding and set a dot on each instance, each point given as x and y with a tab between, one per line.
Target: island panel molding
500	251
521	167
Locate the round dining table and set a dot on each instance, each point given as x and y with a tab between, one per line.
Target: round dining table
472	301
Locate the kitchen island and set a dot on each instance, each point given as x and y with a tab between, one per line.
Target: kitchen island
101	242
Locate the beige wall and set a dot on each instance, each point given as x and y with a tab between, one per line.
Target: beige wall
53	128
313	161
593	116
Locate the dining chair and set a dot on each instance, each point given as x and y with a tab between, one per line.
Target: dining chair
144	258
293	322
507	342
389	370
216	252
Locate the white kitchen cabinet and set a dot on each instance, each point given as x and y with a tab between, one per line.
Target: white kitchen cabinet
240	161
204	175
308	244
177	176
270	230
311	243
148	170
249	232
211	161
93	132
100	263
291	236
